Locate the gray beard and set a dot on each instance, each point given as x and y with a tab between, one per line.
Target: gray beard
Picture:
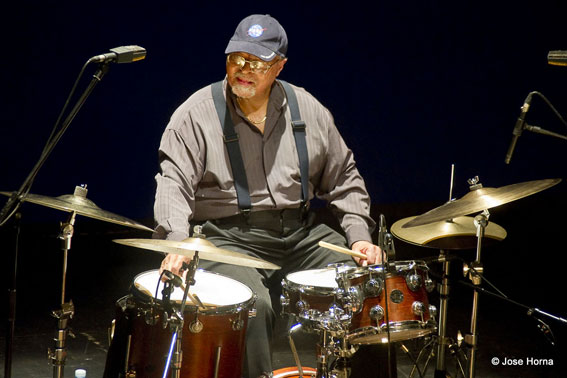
243	92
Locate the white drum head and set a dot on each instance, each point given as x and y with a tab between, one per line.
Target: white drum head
211	288
315	277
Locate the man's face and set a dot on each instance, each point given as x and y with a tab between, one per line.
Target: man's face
248	82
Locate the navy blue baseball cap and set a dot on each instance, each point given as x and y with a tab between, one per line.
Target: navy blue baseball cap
259	35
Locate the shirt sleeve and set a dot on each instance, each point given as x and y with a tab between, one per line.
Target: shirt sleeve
344	189
180	160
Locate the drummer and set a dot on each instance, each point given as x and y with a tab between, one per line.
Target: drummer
268	217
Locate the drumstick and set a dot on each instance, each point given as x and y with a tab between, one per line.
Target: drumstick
342	250
193	298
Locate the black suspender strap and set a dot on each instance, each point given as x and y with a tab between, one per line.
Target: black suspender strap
298	127
233	148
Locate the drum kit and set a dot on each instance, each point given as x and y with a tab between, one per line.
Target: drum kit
196	327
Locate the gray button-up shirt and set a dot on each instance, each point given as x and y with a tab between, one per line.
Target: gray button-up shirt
196	180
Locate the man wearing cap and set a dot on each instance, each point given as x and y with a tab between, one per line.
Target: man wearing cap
233	161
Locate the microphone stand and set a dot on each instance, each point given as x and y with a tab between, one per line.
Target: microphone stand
175	355
539	130
12	300
15	201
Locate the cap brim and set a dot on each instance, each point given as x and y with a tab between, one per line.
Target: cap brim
261	52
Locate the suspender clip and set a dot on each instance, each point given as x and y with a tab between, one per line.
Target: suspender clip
230	138
298	125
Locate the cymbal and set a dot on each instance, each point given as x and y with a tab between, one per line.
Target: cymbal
457	233
82	206
206	249
481	199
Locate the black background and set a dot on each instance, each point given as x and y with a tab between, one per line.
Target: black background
414	86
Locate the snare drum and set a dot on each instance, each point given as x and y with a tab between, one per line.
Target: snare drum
212	338
406	305
313	296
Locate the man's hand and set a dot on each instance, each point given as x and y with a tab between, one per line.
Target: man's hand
373	253
173	263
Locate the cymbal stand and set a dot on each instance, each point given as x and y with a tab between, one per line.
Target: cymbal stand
175	355
328	346
442	340
63	315
474	273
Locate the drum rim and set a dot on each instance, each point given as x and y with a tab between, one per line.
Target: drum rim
224	309
396	328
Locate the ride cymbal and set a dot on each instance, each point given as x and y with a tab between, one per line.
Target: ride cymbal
457	233
206	249
82	206
481	199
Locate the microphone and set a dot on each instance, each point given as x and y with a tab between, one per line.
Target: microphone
518	128
122	54
175	280
557	58
382	231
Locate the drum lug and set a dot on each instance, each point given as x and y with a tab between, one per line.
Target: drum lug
284	301
301	305
432	311
237	324
429	285
418	308
150	317
414	281
373	287
376	313
354	299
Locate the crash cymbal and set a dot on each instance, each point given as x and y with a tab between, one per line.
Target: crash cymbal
82	206
206	249
481	199
458	233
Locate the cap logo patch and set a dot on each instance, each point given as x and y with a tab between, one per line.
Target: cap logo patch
256	31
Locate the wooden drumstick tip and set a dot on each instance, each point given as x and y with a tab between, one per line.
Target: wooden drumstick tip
346	251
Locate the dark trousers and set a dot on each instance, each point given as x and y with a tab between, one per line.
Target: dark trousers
283	238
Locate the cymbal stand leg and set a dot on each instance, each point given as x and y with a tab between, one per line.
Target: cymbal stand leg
481	221
323	353
63	315
442	340
342	368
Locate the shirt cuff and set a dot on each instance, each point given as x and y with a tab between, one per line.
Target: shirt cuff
356	233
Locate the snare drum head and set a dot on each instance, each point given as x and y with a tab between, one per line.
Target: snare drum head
211	288
324	278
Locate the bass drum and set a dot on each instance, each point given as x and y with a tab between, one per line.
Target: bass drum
212	338
293	372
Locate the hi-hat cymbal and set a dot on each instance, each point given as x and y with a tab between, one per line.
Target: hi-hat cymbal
457	233
481	199
82	206
206	249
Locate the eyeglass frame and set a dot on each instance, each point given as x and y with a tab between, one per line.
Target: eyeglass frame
250	63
